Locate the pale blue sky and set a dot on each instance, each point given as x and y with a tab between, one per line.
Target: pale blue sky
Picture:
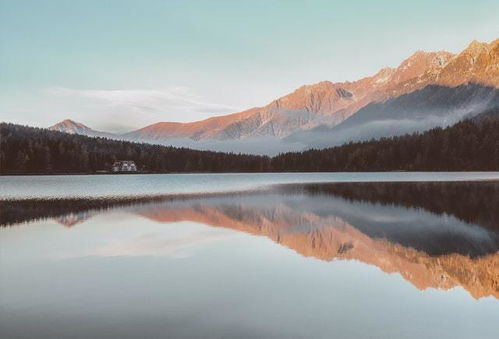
120	64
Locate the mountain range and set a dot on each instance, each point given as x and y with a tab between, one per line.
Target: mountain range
427	89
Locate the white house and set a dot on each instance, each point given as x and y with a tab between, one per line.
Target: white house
124	166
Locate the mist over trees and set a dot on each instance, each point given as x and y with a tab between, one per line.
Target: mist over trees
466	146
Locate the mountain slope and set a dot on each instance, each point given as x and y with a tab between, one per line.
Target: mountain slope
432	106
308	106
330	103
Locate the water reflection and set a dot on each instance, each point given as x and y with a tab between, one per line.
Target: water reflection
438	235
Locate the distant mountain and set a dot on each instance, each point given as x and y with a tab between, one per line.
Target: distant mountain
325	104
73	127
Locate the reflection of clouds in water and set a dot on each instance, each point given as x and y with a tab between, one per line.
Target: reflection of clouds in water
153	244
157	244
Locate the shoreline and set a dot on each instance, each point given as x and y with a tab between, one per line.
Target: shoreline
174	184
256	172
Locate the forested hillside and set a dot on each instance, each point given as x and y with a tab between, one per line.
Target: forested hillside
468	145
35	150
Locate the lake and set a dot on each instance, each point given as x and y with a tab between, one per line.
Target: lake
300	255
149	184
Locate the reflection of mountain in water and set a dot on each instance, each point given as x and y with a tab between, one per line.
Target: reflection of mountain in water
422	231
71	219
305	225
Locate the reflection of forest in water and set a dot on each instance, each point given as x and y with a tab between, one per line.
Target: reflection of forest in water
438	234
471	202
474	202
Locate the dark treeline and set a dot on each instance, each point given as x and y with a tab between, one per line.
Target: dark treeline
17	211
470	201
24	210
468	145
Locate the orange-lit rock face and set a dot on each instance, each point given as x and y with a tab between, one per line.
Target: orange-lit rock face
479	63
329	237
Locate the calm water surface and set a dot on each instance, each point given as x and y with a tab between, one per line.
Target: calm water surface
346	259
141	184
